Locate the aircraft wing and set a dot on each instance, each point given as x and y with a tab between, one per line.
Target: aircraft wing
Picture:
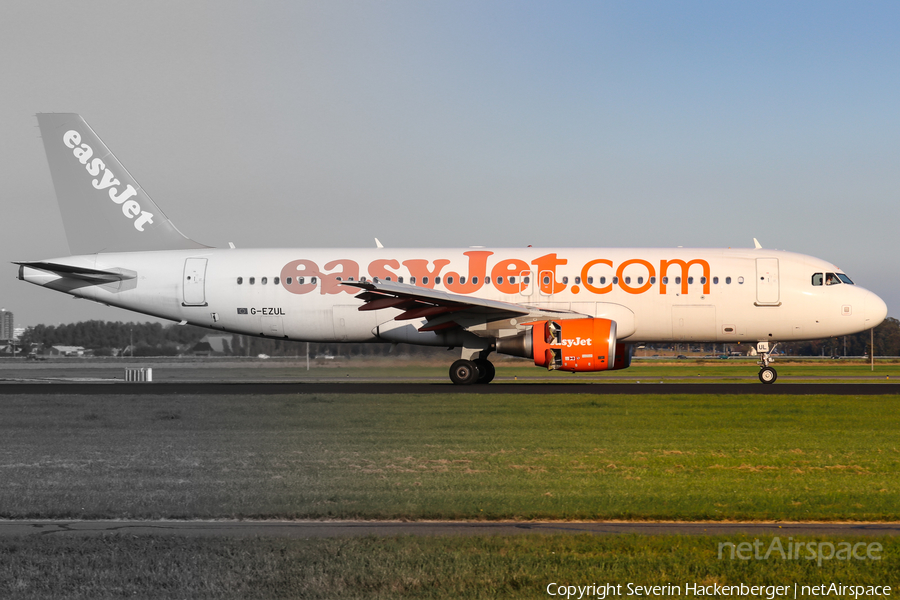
92	276
442	310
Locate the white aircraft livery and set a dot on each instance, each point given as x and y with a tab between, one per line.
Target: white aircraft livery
574	309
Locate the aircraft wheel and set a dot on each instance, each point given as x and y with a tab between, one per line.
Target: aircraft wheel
486	370
463	372
768	375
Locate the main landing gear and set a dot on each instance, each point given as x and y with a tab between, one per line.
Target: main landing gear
465	372
766	373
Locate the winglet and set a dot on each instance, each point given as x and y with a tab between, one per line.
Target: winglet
756	244
378	244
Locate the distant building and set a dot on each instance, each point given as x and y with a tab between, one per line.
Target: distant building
6	325
66	351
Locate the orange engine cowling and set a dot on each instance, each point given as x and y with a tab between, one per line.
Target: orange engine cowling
577	345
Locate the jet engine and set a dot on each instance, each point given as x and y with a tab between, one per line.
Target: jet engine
570	345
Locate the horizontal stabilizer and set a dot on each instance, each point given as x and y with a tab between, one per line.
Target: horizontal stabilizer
93	276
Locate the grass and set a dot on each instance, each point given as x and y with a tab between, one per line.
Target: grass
451	457
401	567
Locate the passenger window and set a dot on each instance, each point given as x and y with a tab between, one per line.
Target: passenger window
640	280
665	280
449	280
424	281
703	281
264	281
300	280
500	280
690	281
400	279
363	279
578	281
240	280
314	280
388	278
728	280
653	280
817	279
437	280
590	279
546	280
276	280
412	280
740	280
615	280
288	281
475	280
715	281
252	280
462	279
565	280
603	280
677	280
628	280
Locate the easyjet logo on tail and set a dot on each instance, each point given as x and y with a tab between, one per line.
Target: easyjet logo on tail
106	179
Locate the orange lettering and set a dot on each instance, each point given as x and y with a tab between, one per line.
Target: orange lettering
330	283
477	268
418	268
505	269
306	269
584	277
378	268
651	272
685	268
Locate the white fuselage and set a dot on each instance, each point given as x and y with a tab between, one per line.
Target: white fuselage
654	295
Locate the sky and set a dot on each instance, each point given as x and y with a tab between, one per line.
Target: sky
460	123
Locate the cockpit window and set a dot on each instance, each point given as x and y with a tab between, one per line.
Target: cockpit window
831	279
844	278
817	279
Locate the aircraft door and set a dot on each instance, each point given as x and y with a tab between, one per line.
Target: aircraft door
194	282
767	287
526	283
546	283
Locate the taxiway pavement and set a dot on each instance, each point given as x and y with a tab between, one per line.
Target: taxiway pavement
649	387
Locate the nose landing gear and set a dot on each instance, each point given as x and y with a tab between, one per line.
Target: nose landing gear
766	373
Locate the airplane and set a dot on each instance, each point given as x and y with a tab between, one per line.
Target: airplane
570	309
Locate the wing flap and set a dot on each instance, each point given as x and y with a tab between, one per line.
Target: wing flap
442	310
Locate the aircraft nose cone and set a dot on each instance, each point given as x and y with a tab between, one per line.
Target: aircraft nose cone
875	310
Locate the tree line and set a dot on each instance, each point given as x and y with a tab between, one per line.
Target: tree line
155	339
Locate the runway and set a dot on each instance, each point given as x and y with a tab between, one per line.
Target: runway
331	529
218	388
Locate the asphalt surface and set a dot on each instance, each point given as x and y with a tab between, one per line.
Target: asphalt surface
168	388
323	529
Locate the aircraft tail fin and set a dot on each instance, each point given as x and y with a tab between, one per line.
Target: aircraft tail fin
103	208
